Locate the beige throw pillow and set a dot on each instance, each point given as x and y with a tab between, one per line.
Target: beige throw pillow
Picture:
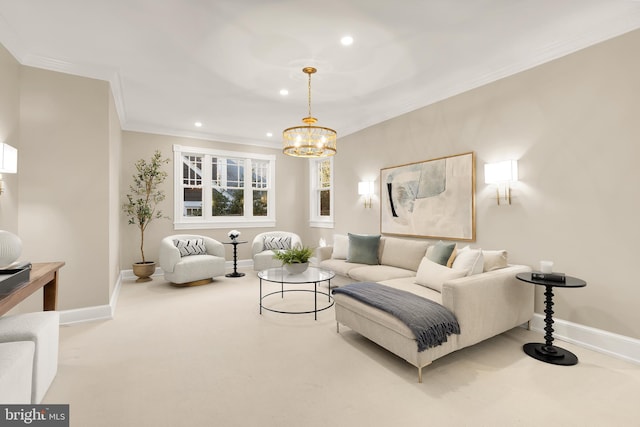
433	275
494	260
403	253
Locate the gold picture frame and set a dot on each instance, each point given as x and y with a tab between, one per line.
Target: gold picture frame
430	199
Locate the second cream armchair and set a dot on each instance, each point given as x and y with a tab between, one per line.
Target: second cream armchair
264	244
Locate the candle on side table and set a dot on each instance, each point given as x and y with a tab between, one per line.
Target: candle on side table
546	266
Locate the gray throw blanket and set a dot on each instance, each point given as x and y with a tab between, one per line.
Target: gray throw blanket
429	321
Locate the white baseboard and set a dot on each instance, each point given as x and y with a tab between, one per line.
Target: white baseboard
99	312
86	314
107	312
611	344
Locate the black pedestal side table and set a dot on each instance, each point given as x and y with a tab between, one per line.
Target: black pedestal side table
235	244
548	352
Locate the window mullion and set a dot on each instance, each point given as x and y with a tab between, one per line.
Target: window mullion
248	189
206	187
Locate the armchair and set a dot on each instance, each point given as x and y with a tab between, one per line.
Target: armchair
193	264
263	255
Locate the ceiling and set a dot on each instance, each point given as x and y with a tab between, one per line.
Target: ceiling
223	62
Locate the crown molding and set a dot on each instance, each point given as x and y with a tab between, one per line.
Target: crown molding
133	127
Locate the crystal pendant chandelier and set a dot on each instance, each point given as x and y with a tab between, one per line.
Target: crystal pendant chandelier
309	140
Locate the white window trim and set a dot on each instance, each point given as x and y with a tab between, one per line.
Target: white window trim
315	220
180	223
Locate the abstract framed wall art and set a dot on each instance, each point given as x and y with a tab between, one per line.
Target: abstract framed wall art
431	199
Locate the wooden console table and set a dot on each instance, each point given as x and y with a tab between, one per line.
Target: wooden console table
43	275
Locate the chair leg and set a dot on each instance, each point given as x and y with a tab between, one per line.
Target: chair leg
420	375
337	327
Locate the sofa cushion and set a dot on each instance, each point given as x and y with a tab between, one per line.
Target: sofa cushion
433	275
189	247
339	266
377	273
340	246
469	260
494	260
402	253
363	249
277	242
442	253
409	284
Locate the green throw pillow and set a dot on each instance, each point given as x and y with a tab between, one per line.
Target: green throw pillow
441	252
363	249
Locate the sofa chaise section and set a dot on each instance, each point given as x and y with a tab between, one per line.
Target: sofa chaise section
485	305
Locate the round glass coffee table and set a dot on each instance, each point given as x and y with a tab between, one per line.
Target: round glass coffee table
312	275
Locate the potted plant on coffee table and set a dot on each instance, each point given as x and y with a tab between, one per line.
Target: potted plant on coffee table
141	207
294	260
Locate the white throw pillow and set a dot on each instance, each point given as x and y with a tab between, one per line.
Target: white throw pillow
190	246
469	260
277	242
433	275
494	260
340	246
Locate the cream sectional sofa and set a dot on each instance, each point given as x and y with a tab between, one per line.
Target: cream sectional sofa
485	304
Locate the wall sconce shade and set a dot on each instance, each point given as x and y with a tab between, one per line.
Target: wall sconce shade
8	162
8	159
365	188
501	174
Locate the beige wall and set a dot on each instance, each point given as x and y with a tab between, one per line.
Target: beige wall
9	133
64	181
573	126
292	214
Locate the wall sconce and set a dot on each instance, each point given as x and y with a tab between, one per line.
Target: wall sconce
365	188
8	162
501	174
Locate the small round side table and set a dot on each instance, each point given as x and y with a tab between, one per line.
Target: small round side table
548	352
235	244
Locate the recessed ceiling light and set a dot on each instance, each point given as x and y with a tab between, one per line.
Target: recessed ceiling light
269	134
198	124
284	92
346	41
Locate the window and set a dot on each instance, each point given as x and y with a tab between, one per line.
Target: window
216	188
321	193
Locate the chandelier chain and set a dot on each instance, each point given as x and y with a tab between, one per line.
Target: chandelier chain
309	89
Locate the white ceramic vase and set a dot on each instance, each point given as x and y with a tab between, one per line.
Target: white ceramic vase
10	248
296	267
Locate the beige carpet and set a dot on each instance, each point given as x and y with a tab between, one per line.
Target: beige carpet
204	356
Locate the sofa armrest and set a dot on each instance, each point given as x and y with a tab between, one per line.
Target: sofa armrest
489	303
214	247
323	252
169	255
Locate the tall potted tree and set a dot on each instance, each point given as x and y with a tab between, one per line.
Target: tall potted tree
142	205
